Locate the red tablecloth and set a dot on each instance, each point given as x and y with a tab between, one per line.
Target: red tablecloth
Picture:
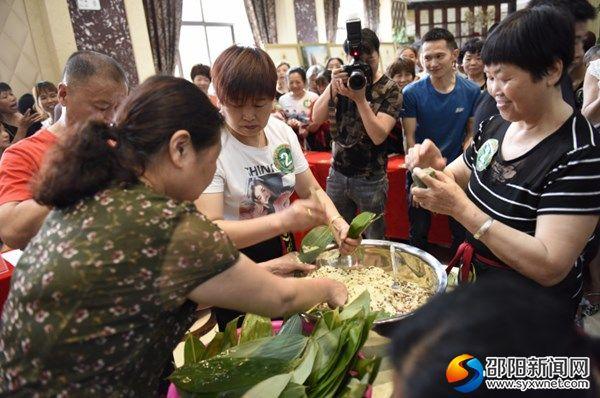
396	211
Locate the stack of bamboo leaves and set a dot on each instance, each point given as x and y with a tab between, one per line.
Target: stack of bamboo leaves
291	364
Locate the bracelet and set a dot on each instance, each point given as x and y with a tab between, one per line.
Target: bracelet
484	228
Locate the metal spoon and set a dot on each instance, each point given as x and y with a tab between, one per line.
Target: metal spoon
418	272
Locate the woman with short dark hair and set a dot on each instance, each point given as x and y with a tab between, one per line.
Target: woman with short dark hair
110	284
260	166
202	78
16	124
334	63
472	63
528	187
296	105
46	99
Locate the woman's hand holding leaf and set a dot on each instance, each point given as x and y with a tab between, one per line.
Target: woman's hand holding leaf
442	195
340	229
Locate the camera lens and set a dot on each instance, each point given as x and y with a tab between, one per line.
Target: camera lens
357	80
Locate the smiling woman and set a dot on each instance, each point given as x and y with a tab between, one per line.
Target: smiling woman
17	125
517	188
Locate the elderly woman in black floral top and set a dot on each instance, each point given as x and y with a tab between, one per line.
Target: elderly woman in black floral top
110	284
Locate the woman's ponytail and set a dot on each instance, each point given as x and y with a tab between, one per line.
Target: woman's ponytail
82	164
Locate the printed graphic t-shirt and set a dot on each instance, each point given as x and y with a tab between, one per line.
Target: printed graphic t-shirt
298	109
258	181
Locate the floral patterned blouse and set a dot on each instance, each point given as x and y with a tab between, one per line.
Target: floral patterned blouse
98	299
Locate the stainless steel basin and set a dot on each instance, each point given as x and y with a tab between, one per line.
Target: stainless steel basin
412	264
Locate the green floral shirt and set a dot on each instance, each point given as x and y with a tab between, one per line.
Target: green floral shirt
98	299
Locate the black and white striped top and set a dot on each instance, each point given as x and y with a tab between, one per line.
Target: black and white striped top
560	175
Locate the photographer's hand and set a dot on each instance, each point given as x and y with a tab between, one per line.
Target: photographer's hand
357	96
339	78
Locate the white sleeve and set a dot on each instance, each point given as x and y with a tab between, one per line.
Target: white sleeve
300	163
218	183
594	68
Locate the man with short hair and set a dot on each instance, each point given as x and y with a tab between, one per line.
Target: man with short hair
438	107
357	180
92	87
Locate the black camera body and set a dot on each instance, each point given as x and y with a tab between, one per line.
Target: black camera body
359	72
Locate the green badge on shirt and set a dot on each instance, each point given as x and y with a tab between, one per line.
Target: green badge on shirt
283	159
486	153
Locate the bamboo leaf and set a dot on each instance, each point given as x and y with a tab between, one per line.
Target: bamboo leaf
361	303
417	181
255	327
215	346
269	388
226	375
320	236
315	243
294	390
292	326
301	373
285	348
327	347
355	388
230	334
193	349
360	223
369	367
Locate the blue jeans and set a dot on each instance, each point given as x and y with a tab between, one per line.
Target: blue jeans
351	195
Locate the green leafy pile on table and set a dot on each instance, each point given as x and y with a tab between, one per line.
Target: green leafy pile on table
289	364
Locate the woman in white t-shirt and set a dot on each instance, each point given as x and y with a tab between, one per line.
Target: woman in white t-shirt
591	93
296	105
260	166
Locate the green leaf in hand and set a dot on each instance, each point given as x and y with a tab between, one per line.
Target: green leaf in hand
360	223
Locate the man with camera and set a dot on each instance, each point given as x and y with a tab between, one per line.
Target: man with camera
362	105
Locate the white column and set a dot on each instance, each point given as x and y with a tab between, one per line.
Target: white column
321	24
140	40
286	22
385	21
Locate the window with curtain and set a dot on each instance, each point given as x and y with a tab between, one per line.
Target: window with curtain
348	9
206	30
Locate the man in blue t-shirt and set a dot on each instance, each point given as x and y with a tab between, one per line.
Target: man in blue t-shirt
438	107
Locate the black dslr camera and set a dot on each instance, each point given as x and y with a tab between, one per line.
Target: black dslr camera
359	72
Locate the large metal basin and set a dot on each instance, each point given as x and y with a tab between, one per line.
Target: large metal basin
408	258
